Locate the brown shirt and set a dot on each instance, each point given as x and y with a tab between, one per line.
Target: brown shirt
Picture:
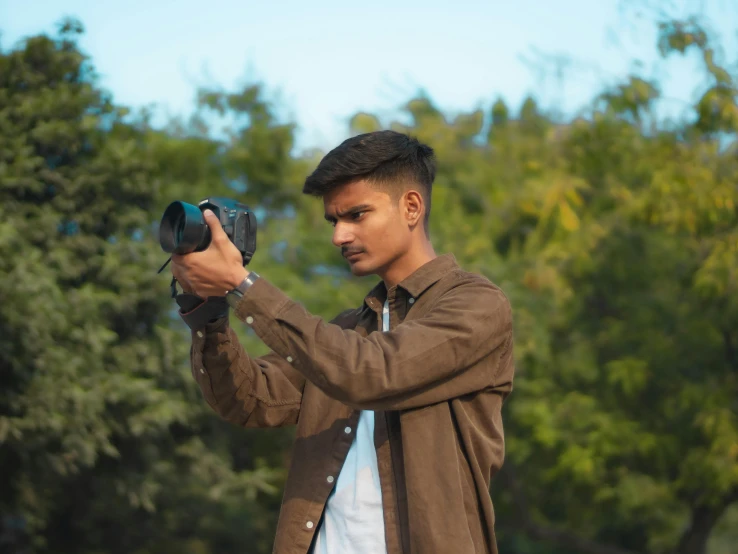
436	381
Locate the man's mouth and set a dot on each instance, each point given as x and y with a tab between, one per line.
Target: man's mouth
352	254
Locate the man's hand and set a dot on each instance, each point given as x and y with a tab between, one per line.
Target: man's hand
214	271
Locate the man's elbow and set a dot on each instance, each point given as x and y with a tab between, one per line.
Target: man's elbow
362	397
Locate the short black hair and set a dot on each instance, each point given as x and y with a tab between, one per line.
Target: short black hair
390	160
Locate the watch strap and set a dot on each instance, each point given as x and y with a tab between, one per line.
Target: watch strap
235	295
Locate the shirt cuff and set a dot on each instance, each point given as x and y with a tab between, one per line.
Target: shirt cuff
210	330
259	308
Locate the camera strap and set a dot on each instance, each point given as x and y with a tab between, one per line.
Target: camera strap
197	312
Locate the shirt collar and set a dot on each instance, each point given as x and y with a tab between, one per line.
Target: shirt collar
417	282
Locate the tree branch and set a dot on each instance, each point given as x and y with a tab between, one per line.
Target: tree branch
703	520
548	533
730	354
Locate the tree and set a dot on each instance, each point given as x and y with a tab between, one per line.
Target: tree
105	444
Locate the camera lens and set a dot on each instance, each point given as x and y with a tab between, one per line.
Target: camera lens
183	229
179	226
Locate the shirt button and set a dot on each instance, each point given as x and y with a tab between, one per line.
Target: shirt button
309	525
202	370
329	478
347	430
289	359
199	334
412	301
249	320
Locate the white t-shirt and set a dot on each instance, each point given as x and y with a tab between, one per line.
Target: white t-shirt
353	522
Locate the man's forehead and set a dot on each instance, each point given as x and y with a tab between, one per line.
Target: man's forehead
348	196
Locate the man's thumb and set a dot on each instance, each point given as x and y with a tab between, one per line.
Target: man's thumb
213	222
210	217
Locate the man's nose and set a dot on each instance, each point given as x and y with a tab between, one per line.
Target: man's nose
342	235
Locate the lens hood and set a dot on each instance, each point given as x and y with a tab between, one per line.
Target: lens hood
183	229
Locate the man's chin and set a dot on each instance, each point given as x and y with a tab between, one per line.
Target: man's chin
360	269
360	272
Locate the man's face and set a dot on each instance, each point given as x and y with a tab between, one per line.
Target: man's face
368	227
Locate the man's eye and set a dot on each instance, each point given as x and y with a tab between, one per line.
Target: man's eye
357	215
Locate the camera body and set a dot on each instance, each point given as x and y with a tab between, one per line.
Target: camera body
183	228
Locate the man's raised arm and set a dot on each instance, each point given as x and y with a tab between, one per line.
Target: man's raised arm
462	346
247	391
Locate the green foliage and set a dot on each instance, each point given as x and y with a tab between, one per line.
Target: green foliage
105	444
615	236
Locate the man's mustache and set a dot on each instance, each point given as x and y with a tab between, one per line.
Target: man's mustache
349	251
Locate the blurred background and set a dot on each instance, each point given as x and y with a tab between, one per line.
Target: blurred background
588	164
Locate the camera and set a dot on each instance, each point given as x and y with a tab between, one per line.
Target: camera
183	228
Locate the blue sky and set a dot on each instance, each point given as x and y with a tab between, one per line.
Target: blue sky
327	59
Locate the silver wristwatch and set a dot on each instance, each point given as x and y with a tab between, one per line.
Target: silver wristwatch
234	296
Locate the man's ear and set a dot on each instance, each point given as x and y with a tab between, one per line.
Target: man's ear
413	207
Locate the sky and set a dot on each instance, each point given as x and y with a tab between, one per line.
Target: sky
324	60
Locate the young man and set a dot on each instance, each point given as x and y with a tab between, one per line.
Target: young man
397	403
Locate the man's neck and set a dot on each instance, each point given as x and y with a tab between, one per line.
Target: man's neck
413	260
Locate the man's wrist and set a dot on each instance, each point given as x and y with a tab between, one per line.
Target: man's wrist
238	278
233	296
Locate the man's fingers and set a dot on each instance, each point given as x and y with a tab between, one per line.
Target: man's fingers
216	230
179	262
185	285
178	275
177	272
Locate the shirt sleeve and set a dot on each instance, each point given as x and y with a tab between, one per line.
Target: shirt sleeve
456	349
247	391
